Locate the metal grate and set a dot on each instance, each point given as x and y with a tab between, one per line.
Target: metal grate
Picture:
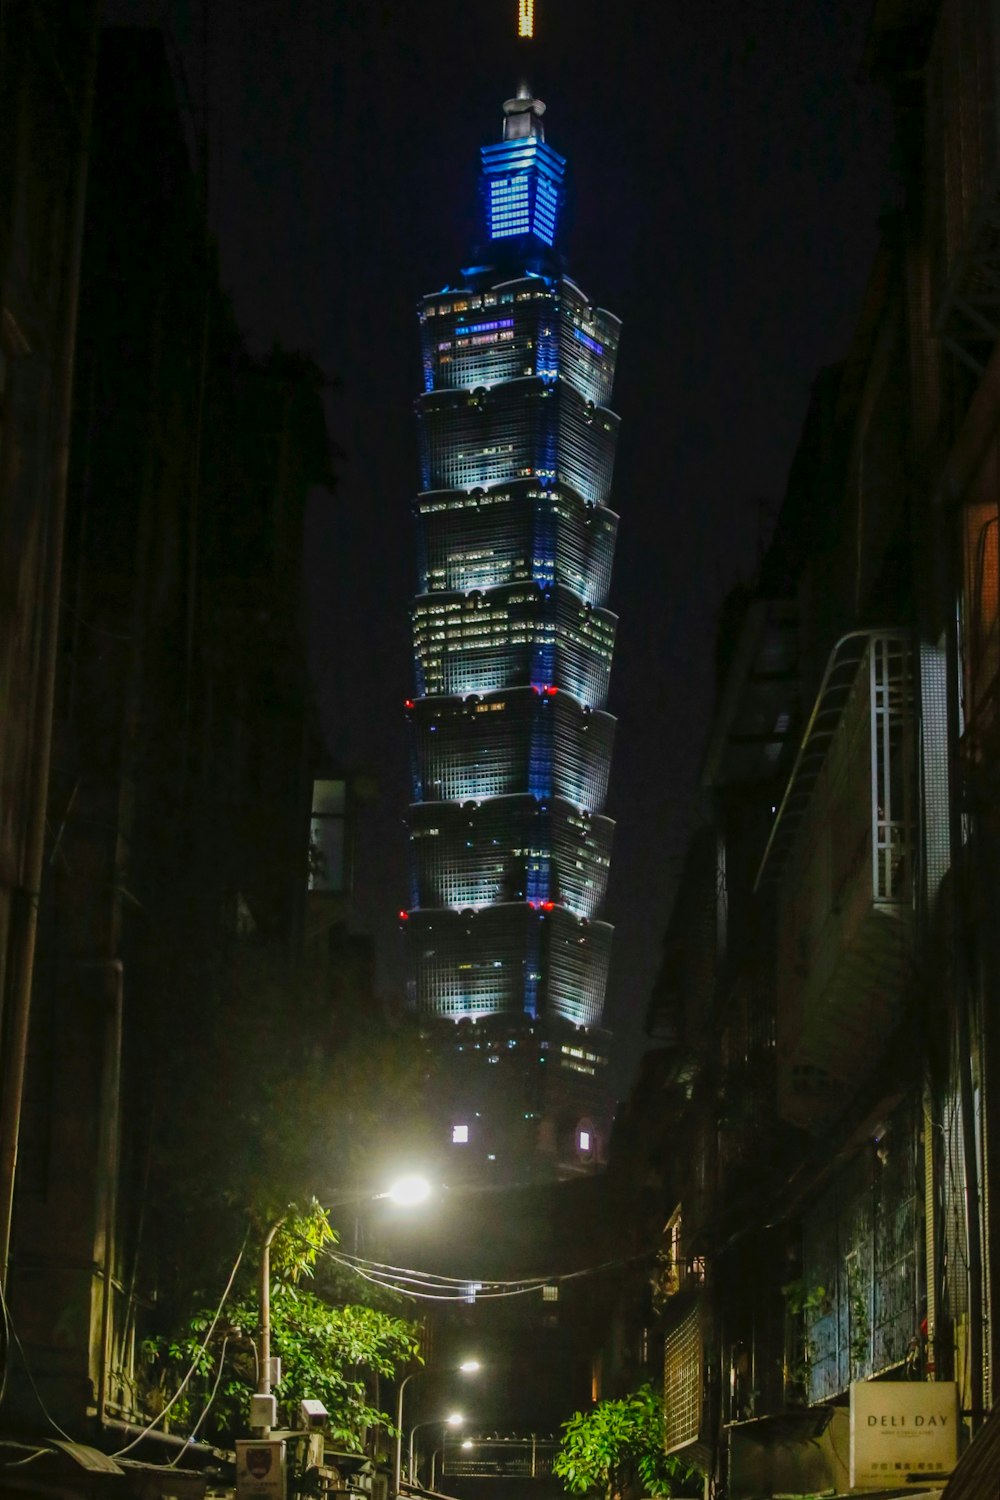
862	1263
934	763
892	778
682	1384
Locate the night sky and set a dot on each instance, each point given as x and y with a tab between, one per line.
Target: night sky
729	163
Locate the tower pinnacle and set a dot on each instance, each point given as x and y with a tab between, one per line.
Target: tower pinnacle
526	18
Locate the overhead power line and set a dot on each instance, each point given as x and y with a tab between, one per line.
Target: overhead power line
435	1287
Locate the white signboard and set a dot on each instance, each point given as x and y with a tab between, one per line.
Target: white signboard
260	1469
902	1432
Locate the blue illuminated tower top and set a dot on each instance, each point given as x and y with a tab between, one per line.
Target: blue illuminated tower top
522	182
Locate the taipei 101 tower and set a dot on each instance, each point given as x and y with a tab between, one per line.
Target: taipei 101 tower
511	743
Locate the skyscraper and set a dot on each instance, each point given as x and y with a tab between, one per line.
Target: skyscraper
513	642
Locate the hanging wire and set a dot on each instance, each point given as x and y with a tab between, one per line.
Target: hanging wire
195	1362
205	1409
18	1463
432	1287
6	1344
12	1338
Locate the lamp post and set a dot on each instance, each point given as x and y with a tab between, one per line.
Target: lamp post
405	1192
467	1367
467	1443
453	1419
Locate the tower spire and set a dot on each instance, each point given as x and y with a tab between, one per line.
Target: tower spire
525	19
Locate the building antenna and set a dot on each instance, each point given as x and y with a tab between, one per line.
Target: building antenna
525	19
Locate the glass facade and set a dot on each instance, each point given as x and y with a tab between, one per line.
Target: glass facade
510	740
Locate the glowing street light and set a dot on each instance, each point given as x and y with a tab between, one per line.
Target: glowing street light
466	1443
467	1367
453	1419
408	1191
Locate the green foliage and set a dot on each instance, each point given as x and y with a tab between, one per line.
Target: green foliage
331	1353
617	1449
804	1303
800	1298
301	1237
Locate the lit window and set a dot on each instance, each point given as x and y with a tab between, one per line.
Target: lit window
460	1135
583	1140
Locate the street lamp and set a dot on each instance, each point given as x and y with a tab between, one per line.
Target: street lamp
405	1191
453	1419
467	1443
467	1367
408	1190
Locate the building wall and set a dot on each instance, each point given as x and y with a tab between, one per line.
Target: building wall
46	80
176	858
825	1123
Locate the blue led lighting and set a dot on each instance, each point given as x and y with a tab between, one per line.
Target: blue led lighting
485	327
523	184
514	565
587	341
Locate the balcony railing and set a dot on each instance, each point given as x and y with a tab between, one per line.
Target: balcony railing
842	851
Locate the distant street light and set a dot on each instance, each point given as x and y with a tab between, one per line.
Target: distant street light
467	1367
453	1419
405	1192
434	1458
467	1443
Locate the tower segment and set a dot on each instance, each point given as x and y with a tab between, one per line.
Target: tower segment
513	638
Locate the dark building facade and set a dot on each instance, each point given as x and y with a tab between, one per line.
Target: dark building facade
820	1116
513	638
47	62
176	808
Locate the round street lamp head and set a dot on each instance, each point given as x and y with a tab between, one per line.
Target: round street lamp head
454	1419
470	1366
409	1190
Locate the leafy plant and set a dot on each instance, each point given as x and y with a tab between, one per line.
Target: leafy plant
332	1353
617	1448
804	1303
800	1298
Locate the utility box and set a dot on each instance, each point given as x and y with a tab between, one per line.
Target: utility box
260	1469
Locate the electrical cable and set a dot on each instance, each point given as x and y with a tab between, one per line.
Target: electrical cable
6	1344
18	1463
438	1278
205	1409
12	1337
195	1362
456	1289
454	1295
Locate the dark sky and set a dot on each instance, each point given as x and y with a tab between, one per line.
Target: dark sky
729	163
